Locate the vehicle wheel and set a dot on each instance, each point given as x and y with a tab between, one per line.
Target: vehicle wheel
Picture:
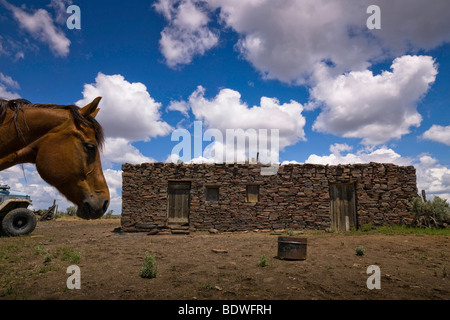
19	222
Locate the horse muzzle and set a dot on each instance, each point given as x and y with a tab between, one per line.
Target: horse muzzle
91	209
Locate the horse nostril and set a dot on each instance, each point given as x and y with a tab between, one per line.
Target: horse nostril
105	206
86	210
86	206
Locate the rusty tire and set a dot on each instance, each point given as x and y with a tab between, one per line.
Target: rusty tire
19	222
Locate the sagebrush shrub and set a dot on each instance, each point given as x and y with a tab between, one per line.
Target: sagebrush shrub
148	269
360	250
430	213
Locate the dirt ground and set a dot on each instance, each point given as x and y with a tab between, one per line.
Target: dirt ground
34	266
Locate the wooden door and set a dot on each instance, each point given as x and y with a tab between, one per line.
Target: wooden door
178	202
343	206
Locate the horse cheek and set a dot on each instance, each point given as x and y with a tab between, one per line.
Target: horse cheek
56	170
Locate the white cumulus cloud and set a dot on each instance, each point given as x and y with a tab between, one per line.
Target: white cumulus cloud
438	133
7	84
433	177
381	155
241	132
376	108
180	106
187	33
227	111
127	109
287	40
41	26
120	150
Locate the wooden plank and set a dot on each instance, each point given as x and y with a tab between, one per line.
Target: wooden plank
185	207
332	189
351	208
344	217
180	186
339	207
352	205
171	213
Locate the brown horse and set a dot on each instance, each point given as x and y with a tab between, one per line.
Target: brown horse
64	142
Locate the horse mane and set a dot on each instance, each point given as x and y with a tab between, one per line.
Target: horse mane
17	105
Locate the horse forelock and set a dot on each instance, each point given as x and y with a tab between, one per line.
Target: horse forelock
88	121
17	105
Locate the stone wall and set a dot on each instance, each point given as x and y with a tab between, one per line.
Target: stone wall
296	197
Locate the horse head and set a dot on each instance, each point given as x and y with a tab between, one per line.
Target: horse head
68	158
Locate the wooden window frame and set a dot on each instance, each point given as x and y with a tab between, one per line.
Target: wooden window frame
247	193
210	187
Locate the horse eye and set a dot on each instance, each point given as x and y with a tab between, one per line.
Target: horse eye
90	149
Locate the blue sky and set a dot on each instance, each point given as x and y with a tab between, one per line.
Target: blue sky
337	91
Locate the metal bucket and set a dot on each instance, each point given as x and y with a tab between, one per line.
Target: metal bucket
292	248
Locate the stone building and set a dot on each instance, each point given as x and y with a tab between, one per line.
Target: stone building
237	197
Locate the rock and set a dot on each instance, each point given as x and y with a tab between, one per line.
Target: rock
117	230
219	251
269	280
180	231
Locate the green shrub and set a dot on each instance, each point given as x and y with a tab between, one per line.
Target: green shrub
71	211
48	258
39	250
263	261
360	250
108	214
148	269
430	214
69	253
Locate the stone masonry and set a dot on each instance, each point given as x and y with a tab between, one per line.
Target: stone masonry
297	196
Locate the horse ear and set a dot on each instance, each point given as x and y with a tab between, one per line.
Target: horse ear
89	109
94	114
